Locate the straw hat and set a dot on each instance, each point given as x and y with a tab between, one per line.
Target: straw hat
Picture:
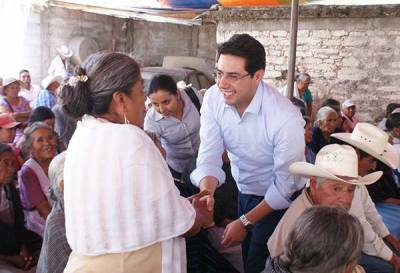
335	162
373	141
50	79
64	51
8	81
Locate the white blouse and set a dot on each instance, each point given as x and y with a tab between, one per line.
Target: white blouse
120	196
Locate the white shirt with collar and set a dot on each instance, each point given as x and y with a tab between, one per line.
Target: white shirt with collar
58	68
261	144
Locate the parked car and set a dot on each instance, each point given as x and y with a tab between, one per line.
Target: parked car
190	76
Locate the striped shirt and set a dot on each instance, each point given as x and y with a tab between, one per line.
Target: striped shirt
45	98
120	196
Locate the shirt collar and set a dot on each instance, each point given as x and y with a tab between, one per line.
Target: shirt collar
255	104
157	116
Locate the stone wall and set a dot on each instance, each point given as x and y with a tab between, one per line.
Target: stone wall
350	52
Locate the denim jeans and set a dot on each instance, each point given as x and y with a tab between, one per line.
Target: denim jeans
373	264
254	246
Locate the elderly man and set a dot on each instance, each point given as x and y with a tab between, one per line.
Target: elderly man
301	91
263	134
60	65
48	96
334	180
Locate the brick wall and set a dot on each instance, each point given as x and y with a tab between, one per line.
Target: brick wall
349	52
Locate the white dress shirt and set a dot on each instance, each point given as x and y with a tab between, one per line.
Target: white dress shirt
261	144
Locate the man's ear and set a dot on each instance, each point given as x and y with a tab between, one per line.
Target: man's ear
313	183
259	75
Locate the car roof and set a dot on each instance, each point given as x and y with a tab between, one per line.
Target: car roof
160	69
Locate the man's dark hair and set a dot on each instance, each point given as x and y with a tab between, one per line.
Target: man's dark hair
247	47
390	108
23	71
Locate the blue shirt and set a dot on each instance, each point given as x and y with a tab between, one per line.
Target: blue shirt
179	138
261	144
45	98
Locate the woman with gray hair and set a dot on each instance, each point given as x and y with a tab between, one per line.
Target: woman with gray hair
55	249
323	239
39	142
324	126
301	91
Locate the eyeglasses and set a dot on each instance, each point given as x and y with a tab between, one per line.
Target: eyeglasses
229	77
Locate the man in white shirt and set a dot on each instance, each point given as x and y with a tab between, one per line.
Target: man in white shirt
60	65
262	133
28	90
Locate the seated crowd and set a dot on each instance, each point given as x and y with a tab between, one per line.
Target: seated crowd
92	181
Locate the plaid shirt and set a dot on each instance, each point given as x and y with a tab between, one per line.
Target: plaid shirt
45	98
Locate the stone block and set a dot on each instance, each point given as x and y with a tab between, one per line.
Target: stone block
339	33
326	51
272	74
352	74
276	60
355	41
279	33
350	62
321	34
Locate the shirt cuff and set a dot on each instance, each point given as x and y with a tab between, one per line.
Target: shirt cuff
386	253
275	199
200	172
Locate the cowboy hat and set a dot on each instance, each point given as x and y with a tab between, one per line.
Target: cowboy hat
347	104
373	141
335	162
64	51
8	81
50	79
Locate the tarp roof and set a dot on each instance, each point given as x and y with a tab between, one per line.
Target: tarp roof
152	10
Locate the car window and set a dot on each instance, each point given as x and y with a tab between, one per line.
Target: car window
204	82
194	81
147	76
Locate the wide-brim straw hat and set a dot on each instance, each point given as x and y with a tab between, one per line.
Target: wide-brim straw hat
8	81
335	162
373	141
64	51
50	79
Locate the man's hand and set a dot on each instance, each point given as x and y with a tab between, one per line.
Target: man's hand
395	261
209	184
393	242
206	217
234	233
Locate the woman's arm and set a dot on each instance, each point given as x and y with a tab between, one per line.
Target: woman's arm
21	116
43	209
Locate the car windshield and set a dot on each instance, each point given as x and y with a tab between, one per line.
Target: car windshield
147	76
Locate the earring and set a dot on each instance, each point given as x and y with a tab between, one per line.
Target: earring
126	120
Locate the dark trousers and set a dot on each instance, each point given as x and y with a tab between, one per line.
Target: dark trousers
254	246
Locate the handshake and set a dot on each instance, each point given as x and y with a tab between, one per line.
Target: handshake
203	203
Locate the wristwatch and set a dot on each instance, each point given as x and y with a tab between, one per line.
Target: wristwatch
247	224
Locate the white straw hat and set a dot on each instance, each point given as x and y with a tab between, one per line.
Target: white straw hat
64	51
373	141
50	79
347	104
335	162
